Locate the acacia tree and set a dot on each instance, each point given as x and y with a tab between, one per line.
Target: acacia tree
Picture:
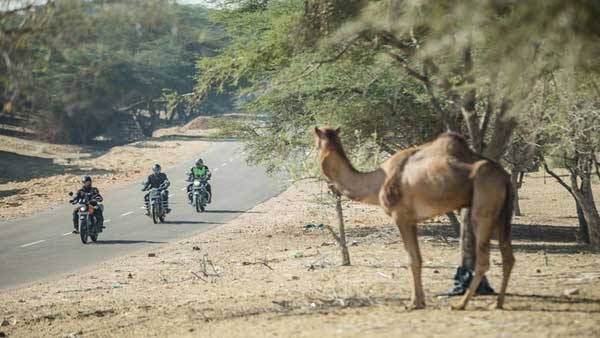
573	142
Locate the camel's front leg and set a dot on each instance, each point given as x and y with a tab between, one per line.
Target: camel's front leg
411	244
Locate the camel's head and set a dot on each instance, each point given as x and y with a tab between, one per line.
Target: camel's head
326	138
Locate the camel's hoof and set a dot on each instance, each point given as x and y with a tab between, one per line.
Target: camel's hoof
496	306
458	307
415	306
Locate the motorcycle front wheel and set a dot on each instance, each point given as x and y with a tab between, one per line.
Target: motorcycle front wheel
154	215
83	231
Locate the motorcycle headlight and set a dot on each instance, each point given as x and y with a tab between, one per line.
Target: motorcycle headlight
196	183
82	209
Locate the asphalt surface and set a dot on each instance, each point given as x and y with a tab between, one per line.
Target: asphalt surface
41	245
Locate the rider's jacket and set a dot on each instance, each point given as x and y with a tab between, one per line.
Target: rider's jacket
156	180
92	191
196	172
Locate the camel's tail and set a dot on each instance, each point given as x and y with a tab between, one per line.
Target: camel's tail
506	214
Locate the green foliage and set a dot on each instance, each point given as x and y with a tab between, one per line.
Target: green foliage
295	87
92	59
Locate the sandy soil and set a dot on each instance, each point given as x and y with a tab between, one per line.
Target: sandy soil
35	175
263	275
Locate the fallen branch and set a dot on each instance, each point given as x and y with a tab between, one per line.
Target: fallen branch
261	262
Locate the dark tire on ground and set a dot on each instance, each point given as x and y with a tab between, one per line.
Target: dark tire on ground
154	215
83	232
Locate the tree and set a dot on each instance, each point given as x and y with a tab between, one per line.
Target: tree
91	61
573	142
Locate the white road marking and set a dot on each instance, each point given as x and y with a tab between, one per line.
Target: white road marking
230	160
216	169
224	164
107	221
171	195
182	189
67	233
32	243
127	213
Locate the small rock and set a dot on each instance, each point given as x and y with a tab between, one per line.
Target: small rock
538	271
571	292
436	271
196	248
130	275
152	254
5	322
354	243
269	236
295	278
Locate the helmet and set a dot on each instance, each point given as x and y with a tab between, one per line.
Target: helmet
199	162
86	178
156	168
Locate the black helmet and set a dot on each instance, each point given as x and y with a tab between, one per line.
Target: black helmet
199	162
156	168
86	178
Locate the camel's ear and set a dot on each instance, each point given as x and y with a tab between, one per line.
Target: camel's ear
338	130
318	132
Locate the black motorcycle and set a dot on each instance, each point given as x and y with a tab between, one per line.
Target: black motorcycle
88	224
157	209
199	195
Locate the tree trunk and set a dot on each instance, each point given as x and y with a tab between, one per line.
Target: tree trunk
584	235
340	238
514	178
589	210
342	232
454	222
467	240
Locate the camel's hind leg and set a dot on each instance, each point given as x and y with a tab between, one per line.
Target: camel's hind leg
483	235
408	230
488	206
508	260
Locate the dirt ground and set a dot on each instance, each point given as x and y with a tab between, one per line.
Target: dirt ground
264	275
35	175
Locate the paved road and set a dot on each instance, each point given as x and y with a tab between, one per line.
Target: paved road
41	245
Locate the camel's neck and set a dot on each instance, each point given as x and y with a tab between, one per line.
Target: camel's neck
362	187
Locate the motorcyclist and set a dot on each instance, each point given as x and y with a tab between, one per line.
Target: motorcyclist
94	196
201	172
156	180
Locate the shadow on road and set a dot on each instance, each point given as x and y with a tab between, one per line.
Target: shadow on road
128	241
233	212
191	222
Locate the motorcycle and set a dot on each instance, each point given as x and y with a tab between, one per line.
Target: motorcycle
157	209
199	194
88	224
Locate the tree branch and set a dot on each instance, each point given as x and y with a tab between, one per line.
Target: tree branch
313	66
557	178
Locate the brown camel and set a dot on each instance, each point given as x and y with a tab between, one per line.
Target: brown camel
426	181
